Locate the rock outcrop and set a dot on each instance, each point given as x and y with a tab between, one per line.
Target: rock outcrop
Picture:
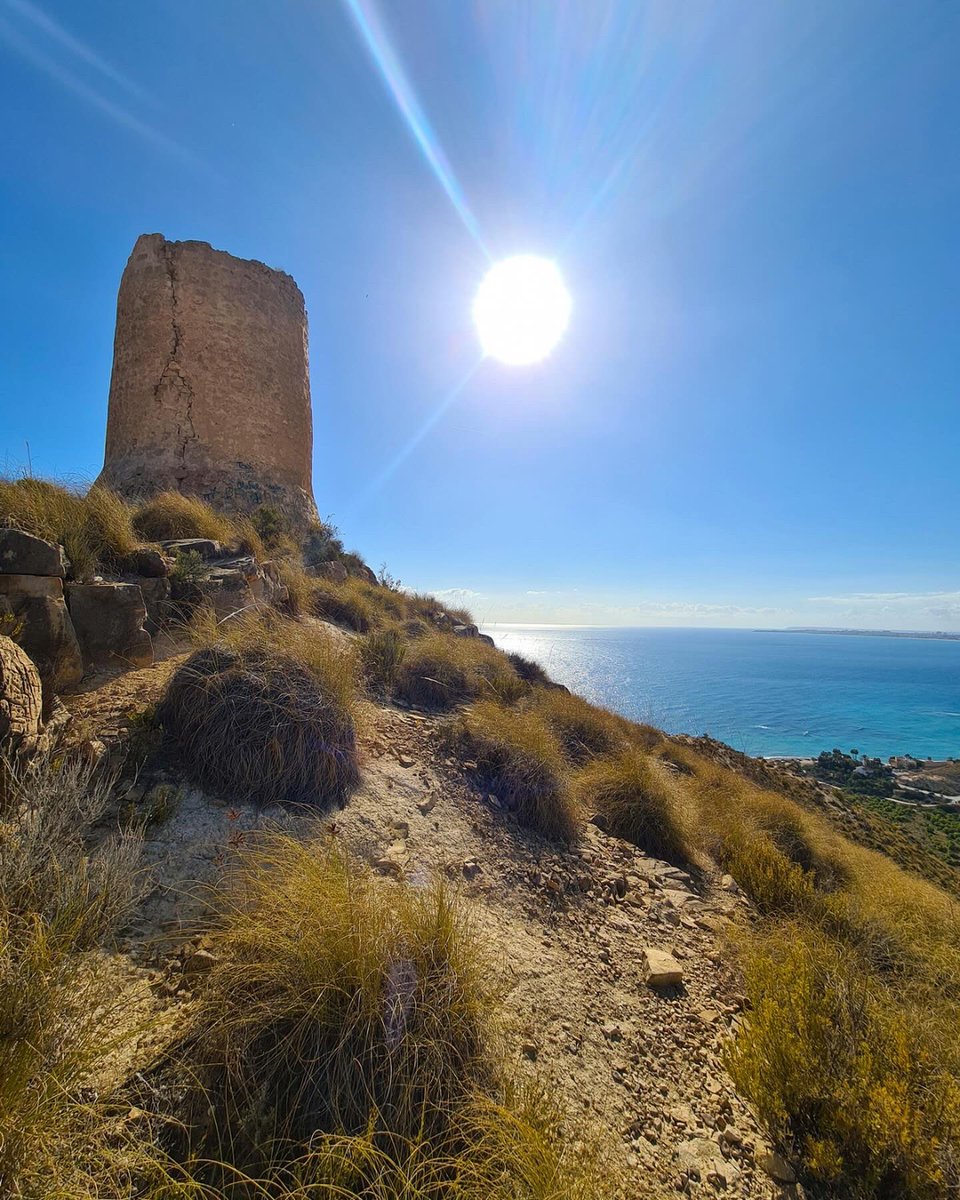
21	698
108	619
210	391
47	634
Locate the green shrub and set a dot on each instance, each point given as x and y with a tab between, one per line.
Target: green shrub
638	800
189	567
522	762
861	1080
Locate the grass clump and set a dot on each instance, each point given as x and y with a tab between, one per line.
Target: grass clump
345	1045
522	762
258	722
94	527
585	730
381	656
441	671
862	1082
338	1000
172	516
637	799
342	604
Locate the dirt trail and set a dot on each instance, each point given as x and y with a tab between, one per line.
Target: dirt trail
567	931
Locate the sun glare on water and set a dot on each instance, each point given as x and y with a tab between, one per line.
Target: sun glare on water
521	310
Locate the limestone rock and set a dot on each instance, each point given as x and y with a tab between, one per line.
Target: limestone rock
146	561
700	1158
156	600
663	970
777	1167
48	635
21	696
336	572
108	618
207	548
23	554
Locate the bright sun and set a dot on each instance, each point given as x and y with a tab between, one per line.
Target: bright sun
521	309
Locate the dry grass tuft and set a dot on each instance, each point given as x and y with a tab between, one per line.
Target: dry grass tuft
94	528
638	800
344	603
259	723
381	655
585	730
339	999
172	516
441	671
522	762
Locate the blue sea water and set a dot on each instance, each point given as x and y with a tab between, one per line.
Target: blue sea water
763	693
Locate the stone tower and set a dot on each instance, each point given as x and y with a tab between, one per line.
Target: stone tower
210	391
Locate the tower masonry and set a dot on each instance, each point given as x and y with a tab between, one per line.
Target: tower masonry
210	390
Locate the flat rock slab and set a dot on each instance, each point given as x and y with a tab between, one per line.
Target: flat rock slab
23	554
108	618
663	970
205	547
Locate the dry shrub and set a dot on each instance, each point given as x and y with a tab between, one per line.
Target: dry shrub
63	1013
259	724
522	762
441	671
584	729
339	999
50	804
171	516
862	1080
94	528
638	800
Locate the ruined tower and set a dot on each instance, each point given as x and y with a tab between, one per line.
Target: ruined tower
210	391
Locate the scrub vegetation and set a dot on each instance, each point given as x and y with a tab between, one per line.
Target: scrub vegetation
346	1041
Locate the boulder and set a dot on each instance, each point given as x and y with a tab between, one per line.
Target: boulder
146	561
336	572
21	696
663	970
156	600
108	618
23	554
207	548
47	636
777	1167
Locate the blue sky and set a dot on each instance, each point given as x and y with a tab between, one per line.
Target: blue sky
753	418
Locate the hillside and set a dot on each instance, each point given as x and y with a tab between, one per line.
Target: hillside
333	898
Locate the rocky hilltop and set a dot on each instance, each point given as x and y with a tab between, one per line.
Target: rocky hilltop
307	890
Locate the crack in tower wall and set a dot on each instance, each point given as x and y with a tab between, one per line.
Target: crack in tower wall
210	391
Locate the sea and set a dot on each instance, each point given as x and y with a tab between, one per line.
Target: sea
765	693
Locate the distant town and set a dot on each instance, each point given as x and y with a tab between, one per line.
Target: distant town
936	636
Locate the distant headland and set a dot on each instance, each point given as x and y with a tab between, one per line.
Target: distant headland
927	635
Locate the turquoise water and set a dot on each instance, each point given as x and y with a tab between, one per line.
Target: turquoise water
763	693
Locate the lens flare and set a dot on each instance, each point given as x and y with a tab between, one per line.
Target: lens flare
521	310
